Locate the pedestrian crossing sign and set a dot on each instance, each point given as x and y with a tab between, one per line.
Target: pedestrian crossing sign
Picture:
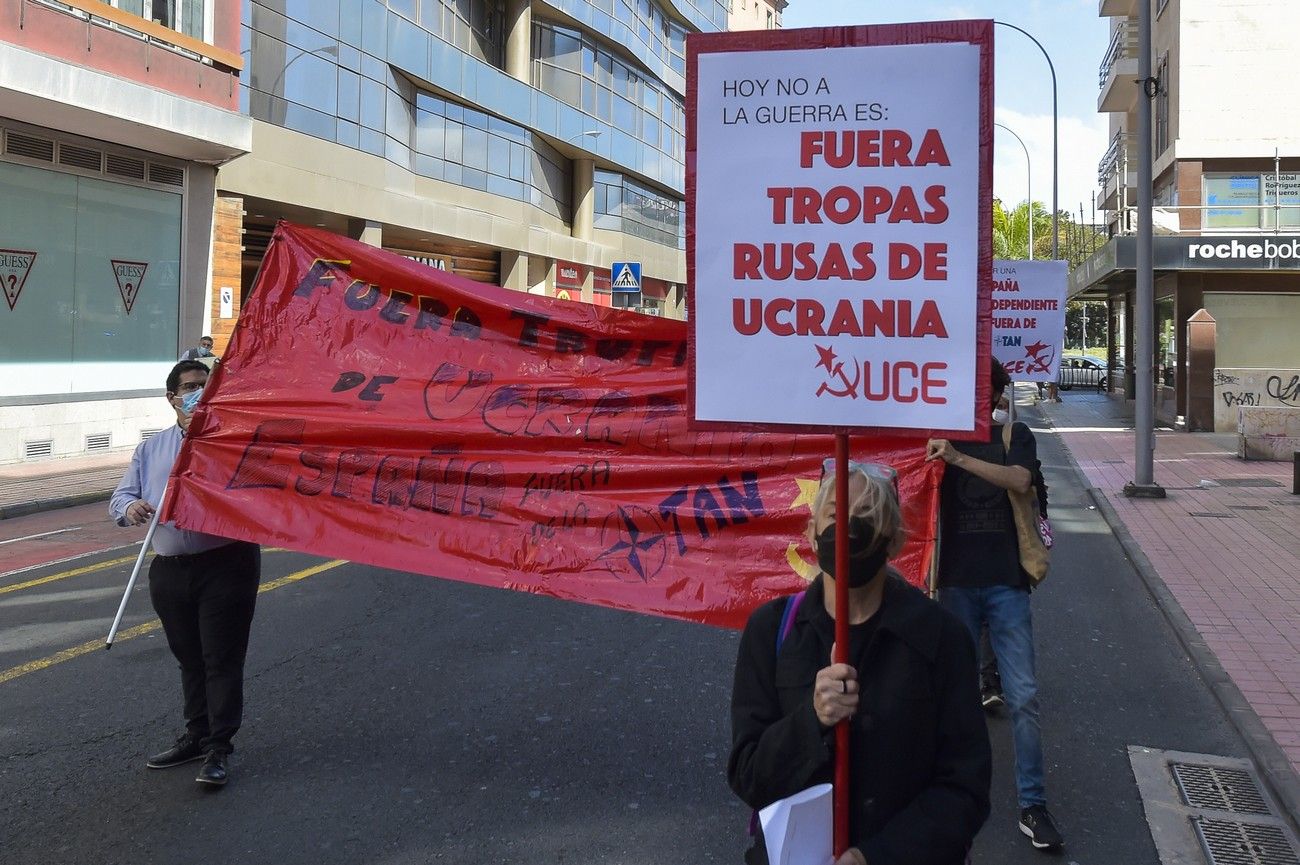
625	276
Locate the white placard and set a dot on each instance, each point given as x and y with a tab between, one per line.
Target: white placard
836	251
227	302
1029	317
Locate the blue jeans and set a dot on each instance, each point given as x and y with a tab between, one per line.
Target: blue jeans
1011	628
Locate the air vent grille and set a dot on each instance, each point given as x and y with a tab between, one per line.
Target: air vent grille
29	147
125	166
99	441
168	174
81	157
35	450
146	434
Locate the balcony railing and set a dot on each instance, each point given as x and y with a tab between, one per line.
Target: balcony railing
1170	219
1116	159
1123	46
98	13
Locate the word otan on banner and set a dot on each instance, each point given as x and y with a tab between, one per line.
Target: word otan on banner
840	240
1029	317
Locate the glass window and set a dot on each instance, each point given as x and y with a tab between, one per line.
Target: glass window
349	95
372	104
1235	194
453	149
475	148
99	246
430	134
403	7
498	155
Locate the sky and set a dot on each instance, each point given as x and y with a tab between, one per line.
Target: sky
1074	36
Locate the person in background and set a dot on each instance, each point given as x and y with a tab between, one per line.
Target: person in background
990	679
204	589
202	352
920	759
980	579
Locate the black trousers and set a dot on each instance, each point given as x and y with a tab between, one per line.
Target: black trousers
206	602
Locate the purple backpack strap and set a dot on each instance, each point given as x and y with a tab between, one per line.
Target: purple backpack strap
792	603
787	618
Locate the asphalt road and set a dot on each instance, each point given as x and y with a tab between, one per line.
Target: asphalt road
393	718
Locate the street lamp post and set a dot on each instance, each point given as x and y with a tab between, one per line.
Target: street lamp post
1056	235
1029	186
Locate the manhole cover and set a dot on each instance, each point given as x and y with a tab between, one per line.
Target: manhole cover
1230	843
1246	482
1219	788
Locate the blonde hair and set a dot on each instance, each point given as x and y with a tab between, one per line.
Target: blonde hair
876	501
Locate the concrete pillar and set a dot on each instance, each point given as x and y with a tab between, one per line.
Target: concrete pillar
519	39
589	286
584	198
370	232
514	270
1202	332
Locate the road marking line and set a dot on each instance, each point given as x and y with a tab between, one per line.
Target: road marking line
76	572
63	575
63	561
41	535
147	627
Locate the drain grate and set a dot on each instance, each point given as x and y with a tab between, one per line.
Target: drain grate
1246	482
1219	788
1230	843
1208	514
1248	507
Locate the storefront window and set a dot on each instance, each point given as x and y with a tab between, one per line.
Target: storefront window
1166	343
1234	200
93	276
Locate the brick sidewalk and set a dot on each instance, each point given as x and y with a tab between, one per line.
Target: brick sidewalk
1223	542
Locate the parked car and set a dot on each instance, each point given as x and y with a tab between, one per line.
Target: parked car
1085	371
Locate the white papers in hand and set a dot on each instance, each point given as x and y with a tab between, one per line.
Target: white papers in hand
798	829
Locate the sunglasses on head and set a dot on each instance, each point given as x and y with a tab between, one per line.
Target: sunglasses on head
877	471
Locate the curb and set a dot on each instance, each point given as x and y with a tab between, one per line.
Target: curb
22	509
1278	774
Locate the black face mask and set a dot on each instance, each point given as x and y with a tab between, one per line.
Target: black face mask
864	562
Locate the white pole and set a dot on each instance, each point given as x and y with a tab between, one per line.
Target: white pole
135	572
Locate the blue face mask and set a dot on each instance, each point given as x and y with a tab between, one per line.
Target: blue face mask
190	400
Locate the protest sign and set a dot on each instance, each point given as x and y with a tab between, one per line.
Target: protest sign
374	409
1029	317
839	227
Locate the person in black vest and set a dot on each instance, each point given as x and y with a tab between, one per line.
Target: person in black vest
980	579
920	764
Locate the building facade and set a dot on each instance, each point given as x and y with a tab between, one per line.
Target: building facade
755	14
525	144
113	119
1226	196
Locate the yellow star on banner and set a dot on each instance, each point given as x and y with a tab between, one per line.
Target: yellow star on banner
807	493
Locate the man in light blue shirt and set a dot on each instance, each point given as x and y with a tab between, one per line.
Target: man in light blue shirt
204	589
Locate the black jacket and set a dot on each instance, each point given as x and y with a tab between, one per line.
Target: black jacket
920	760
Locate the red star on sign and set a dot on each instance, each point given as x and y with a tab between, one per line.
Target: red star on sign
827	356
1033	350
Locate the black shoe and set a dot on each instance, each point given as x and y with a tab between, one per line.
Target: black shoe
186	749
213	770
1037	823
991	697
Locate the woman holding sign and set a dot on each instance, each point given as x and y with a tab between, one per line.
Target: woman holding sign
920	760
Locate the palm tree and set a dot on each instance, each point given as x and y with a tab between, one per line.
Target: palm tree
1011	231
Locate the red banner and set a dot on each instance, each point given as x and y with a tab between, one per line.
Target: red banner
373	409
